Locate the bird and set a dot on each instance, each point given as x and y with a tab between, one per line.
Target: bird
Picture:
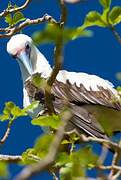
94	102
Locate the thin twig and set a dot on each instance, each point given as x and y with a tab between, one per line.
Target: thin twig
115	161
115	33
10	158
112	167
7	132
103	155
102	167
116	176
111	145
63	8
27	22
29	171
113	30
7	11
54	176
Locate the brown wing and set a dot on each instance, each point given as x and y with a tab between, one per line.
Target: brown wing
80	95
77	98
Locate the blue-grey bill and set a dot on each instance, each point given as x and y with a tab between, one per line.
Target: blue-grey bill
25	60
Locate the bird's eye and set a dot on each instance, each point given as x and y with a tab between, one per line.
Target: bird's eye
27	46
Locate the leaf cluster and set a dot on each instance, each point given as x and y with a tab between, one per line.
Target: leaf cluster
71	164
11	112
108	17
53	31
13	18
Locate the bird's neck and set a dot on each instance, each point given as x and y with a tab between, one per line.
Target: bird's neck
40	65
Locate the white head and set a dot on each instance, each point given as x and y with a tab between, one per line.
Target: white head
30	60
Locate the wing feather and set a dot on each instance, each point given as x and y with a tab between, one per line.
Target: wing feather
76	96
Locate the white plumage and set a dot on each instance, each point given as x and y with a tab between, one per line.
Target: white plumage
42	66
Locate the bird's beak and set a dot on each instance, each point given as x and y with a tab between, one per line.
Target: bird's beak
24	58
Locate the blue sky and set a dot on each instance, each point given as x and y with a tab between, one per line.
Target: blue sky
100	55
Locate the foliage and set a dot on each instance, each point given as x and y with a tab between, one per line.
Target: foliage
73	157
3	170
12	112
14	18
52	121
51	32
76	164
108	18
73	164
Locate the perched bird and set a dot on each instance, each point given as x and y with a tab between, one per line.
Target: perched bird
94	102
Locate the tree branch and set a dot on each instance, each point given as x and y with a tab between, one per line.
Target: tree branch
115	161
7	11
27	22
4	138
63	8
10	158
112	167
58	60
102	167
29	171
112	145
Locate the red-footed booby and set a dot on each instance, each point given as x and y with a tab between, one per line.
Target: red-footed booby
93	100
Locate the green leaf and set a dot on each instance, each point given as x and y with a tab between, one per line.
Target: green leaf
118	88
17	17
4	117
81	162
115	15
62	159
17	112
11	112
9	5
39	151
105	3
11	108
49	34
42	145
65	173
30	157
7	110
65	141
109	119
93	18
3	170
32	106
9	19
75	165
38	81
82	155
52	121
74	33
